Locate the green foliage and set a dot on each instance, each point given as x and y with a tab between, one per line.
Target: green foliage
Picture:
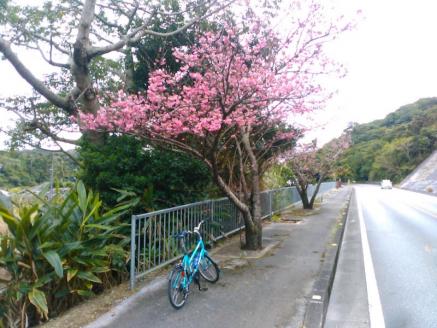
57	252
392	147
277	176
162	178
150	50
32	167
276	218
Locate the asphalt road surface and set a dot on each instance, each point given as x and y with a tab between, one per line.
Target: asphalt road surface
401	230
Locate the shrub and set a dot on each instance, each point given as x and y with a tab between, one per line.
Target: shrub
162	178
58	252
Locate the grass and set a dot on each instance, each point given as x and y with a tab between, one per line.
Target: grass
276	218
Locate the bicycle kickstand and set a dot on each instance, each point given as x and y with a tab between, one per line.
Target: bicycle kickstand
197	280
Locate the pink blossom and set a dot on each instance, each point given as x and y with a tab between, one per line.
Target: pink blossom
240	79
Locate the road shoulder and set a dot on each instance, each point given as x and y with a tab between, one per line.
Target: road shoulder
348	304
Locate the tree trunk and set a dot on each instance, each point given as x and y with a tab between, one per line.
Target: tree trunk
304	196
129	83
316	191
81	72
307	205
253	235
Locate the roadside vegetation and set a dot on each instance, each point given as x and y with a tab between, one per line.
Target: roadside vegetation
57	252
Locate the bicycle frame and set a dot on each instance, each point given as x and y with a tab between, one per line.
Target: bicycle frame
190	262
193	266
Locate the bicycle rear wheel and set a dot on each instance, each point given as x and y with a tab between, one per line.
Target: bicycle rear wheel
176	293
208	269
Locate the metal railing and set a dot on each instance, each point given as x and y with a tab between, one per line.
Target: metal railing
152	244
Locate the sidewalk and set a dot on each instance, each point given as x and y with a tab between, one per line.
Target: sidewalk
256	289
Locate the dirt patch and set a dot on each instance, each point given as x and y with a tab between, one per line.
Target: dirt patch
234	264
3	228
297	214
90	310
5	275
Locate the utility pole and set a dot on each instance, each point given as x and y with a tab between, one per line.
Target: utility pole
51	180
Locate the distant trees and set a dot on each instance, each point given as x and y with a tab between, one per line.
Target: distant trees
392	147
31	167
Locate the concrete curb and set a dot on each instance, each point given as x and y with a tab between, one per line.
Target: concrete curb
317	304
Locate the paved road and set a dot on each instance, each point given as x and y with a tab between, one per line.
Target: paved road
401	229
269	292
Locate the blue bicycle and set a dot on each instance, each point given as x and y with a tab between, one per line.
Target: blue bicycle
188	269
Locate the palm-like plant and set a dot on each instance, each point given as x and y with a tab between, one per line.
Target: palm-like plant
58	251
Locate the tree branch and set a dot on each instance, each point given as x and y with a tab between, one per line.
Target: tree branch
69	155
49	41
50	61
242	175
52	135
27	75
139	32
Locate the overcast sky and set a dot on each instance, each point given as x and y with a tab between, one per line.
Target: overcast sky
391	58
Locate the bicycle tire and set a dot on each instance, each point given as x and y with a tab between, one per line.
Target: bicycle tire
176	294
209	270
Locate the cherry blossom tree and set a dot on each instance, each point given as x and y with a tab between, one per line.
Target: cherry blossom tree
229	103
310	165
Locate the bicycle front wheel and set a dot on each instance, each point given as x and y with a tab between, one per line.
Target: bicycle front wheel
176	293
208	269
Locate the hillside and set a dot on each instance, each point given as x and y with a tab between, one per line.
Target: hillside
424	177
392	147
32	167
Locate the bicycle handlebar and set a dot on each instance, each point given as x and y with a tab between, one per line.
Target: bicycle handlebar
184	234
196	229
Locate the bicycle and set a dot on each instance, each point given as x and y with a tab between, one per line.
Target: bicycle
188	269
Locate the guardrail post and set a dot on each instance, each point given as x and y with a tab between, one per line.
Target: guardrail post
212	210
271	203
211	218
132	251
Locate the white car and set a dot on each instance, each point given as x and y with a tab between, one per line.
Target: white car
386	184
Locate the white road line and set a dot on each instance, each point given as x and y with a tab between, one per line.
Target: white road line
375	308
424	210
